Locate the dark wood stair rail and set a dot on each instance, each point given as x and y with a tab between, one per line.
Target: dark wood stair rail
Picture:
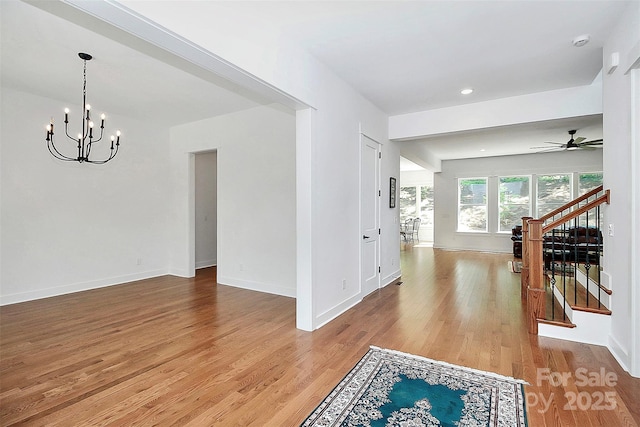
533	230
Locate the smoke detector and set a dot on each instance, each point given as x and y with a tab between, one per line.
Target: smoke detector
581	40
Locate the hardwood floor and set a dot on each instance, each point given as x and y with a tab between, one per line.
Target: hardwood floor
171	351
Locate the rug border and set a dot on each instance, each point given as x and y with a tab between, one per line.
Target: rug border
451	365
344	377
489	374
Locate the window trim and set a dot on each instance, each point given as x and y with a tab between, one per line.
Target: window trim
572	189
530	178
493	197
486	205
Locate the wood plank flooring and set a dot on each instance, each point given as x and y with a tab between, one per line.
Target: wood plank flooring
189	352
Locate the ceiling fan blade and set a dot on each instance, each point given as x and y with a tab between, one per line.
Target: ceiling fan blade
593	142
548	150
579	140
555	143
586	147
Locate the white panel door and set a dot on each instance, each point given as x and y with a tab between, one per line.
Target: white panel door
369	215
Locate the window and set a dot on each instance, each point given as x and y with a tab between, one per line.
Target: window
472	204
408	207
514	201
426	205
588	181
496	204
553	192
415	202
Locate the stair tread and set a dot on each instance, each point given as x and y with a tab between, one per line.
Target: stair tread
579	301
594	274
554	312
557	323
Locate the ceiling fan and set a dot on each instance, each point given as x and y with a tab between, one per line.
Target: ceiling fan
572	144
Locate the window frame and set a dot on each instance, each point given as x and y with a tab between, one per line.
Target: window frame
418	204
572	189
486	204
493	196
499	204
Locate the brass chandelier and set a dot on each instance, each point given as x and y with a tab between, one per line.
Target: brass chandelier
84	139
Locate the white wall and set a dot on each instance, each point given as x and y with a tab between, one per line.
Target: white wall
67	226
619	122
327	238
256	197
390	218
327	140
335	233
419	177
446	192
206	209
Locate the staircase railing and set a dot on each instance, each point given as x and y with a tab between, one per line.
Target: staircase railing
561	248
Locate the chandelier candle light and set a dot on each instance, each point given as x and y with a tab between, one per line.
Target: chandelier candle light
84	146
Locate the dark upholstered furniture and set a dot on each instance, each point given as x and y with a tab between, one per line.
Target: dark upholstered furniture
516	237
574	244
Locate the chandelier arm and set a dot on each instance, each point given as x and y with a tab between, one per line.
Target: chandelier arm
66	131
74	139
55	153
89	149
91	142
111	156
101	134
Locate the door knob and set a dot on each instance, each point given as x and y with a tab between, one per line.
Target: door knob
365	237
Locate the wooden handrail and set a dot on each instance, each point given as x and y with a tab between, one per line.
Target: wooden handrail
572	203
533	243
605	198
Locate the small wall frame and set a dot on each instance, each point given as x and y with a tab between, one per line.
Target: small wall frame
392	192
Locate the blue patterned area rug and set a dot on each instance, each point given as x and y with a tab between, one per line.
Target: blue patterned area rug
390	388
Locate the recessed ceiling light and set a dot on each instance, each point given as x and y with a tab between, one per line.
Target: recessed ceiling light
466	91
483	150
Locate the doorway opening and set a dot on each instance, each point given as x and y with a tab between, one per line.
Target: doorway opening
206	209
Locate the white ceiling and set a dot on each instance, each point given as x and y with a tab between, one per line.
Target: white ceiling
404	56
40	56
408	56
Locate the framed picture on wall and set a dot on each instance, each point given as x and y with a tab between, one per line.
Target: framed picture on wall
392	192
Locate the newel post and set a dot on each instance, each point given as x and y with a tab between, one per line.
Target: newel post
535	291
524	273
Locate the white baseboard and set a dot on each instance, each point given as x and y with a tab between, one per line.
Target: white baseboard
180	273
256	286
387	280
206	263
619	353
326	317
78	287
